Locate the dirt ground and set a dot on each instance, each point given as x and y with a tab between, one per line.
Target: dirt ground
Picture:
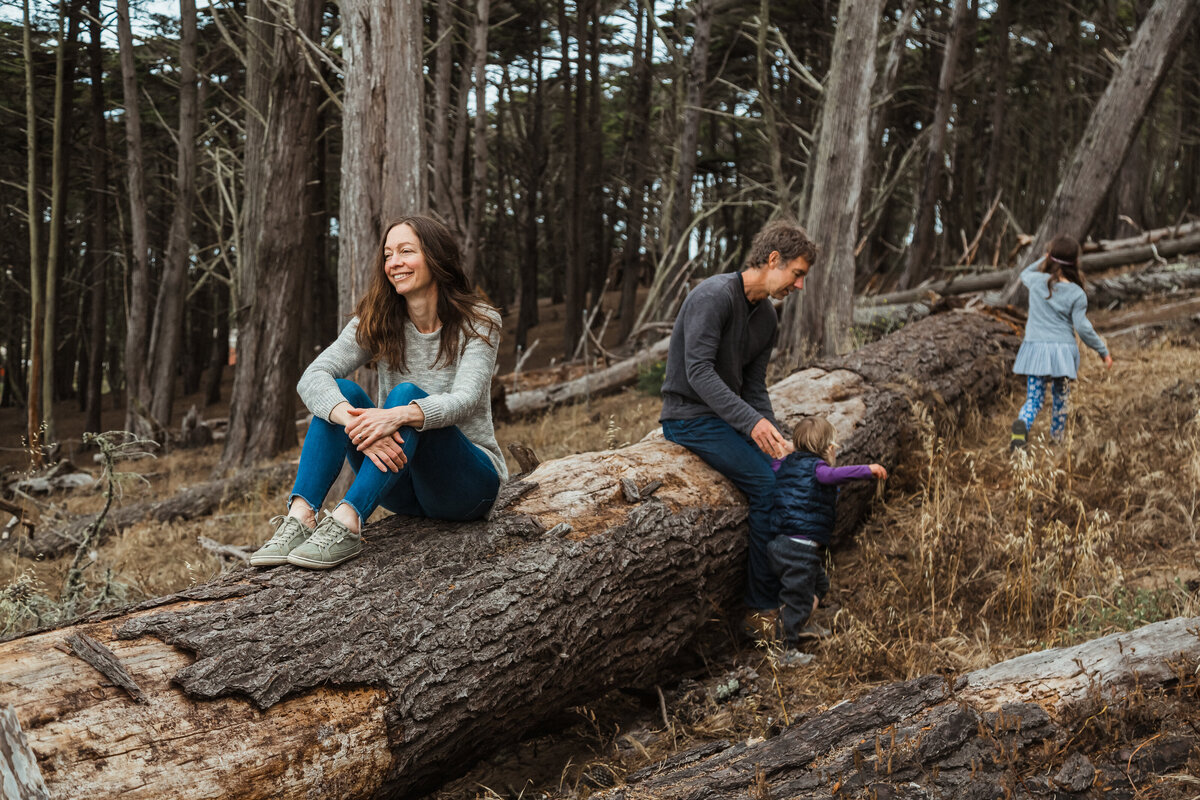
971	557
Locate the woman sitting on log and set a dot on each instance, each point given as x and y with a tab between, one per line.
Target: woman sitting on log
429	448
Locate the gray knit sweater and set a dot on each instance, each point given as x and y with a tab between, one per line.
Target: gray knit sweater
458	395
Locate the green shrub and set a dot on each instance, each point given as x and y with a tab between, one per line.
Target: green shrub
650	377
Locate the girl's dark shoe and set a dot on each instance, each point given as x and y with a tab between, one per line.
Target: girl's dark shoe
1019	431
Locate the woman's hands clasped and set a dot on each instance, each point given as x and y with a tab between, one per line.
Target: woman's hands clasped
375	432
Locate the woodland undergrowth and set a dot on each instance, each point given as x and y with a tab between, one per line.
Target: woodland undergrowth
971	556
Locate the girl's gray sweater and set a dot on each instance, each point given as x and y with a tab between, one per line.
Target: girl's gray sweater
459	395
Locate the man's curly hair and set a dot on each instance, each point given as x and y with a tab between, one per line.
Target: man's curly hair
785	236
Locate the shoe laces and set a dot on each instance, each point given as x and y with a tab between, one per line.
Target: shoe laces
329	532
283	532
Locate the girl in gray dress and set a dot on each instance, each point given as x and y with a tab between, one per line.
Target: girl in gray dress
1049	356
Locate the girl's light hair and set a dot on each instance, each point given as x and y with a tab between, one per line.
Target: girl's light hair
814	434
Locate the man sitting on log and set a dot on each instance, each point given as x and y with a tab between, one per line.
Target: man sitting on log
715	400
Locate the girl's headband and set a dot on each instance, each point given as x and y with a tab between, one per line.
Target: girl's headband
1060	261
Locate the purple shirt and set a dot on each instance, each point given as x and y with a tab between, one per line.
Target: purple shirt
834	476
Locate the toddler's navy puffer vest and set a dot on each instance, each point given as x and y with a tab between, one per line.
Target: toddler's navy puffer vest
803	505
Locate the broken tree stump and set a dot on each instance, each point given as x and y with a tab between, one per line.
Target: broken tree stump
1047	723
444	642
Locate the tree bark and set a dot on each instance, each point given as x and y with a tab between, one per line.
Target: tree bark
98	256
64	81
479	60
920	253
33	210
689	126
1113	124
445	641
819	321
639	144
137	320
278	240
440	139
995	732
383	120
168	313
532	174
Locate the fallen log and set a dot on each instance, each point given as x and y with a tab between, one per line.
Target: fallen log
1018	728
1145	237
1106	293
190	503
444	642
1134	286
609	379
1090	262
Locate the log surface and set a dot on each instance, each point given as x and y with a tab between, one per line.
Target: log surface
443	642
996	732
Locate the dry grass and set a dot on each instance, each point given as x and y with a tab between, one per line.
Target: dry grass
975	556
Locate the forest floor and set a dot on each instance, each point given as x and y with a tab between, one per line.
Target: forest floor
971	556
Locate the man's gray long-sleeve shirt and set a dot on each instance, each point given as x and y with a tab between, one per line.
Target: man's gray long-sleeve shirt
717	359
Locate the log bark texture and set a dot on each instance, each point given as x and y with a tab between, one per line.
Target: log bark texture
1047	724
443	641
193	502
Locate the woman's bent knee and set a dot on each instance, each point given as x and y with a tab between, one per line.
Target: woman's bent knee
355	395
403	394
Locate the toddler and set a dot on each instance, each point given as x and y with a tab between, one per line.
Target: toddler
806	488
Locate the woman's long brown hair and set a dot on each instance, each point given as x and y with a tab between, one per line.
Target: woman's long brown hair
382	312
1062	261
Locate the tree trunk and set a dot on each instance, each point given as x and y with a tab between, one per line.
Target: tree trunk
998	80
841	162
632	257
572	263
446	641
994	732
382	149
64	81
280	253
532	174
168	313
479	60
137	320
689	132
98	256
440	139
33	210
920	252
1112	126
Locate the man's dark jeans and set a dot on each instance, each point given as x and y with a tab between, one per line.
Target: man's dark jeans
800	566
738	458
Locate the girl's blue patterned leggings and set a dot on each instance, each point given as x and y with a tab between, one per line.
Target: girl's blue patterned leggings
1035	396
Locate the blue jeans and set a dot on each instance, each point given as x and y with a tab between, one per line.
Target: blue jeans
446	476
738	458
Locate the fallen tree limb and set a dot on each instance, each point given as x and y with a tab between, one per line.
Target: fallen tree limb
1106	293
444	642
1018	728
605	380
191	503
1091	262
